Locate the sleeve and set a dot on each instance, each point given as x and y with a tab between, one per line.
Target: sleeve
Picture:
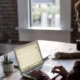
73	76
70	77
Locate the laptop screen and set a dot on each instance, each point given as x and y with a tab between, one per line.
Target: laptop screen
28	56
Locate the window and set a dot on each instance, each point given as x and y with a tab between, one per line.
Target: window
59	18
28	33
45	13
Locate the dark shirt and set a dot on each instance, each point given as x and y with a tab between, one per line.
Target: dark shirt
74	75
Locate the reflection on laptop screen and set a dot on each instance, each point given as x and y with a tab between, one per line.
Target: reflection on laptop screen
28	56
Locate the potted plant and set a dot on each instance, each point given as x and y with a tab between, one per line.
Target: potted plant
7	64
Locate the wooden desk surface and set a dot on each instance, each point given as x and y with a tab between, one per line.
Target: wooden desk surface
47	48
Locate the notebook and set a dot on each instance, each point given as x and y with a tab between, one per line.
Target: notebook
29	58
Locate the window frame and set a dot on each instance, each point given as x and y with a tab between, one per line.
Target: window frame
24	16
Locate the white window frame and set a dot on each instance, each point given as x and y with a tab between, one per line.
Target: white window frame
24	15
27	33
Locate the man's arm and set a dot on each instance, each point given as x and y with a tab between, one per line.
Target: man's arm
39	75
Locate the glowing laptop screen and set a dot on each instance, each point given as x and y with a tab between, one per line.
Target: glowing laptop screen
28	56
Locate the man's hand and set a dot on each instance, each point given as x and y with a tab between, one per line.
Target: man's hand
39	75
60	70
36	74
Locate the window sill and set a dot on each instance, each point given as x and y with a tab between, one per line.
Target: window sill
45	29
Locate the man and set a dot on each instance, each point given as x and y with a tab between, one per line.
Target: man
77	9
75	72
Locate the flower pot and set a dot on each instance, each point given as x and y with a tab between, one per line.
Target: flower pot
8	67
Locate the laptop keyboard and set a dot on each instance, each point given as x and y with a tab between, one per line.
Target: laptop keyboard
43	68
38	68
29	73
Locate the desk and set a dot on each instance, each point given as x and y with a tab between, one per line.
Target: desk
47	48
17	75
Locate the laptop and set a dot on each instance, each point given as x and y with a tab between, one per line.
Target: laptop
29	58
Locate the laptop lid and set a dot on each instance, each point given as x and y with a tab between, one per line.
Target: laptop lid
28	56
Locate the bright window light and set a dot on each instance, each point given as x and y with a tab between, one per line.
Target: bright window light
45	13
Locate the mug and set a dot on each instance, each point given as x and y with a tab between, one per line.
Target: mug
78	44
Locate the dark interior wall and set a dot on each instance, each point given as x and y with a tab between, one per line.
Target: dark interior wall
8	20
74	34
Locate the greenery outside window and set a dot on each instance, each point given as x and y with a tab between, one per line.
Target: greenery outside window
45	13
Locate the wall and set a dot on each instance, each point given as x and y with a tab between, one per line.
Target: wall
8	20
31	35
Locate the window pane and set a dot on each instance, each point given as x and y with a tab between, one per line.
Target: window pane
45	13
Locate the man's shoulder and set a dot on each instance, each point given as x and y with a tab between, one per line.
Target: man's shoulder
74	75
